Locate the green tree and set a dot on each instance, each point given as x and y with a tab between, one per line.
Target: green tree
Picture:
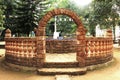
1	20
104	14
21	16
65	24
83	12
44	7
1	14
8	6
25	16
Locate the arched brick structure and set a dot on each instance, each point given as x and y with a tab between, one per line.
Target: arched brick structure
40	35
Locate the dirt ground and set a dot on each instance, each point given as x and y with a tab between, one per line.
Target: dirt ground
111	72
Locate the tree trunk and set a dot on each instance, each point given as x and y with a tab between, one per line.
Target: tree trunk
114	36
28	33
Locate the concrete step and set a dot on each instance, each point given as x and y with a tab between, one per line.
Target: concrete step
62	77
60	64
58	71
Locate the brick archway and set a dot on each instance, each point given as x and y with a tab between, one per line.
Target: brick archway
40	36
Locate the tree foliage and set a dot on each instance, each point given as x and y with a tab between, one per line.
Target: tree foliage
25	16
65	25
104	14
1	14
21	16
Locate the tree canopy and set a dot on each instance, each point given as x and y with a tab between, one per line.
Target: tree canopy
21	16
105	14
1	14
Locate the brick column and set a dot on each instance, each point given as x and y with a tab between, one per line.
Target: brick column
110	42
109	33
7	33
81	46
7	44
40	57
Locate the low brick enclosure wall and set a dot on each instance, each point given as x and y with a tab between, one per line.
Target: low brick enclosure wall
23	51
98	50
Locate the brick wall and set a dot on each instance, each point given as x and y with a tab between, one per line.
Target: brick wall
61	46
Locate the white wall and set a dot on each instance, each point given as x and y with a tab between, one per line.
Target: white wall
100	32
117	32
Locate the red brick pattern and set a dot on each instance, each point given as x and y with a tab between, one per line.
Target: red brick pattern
21	51
98	50
61	46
